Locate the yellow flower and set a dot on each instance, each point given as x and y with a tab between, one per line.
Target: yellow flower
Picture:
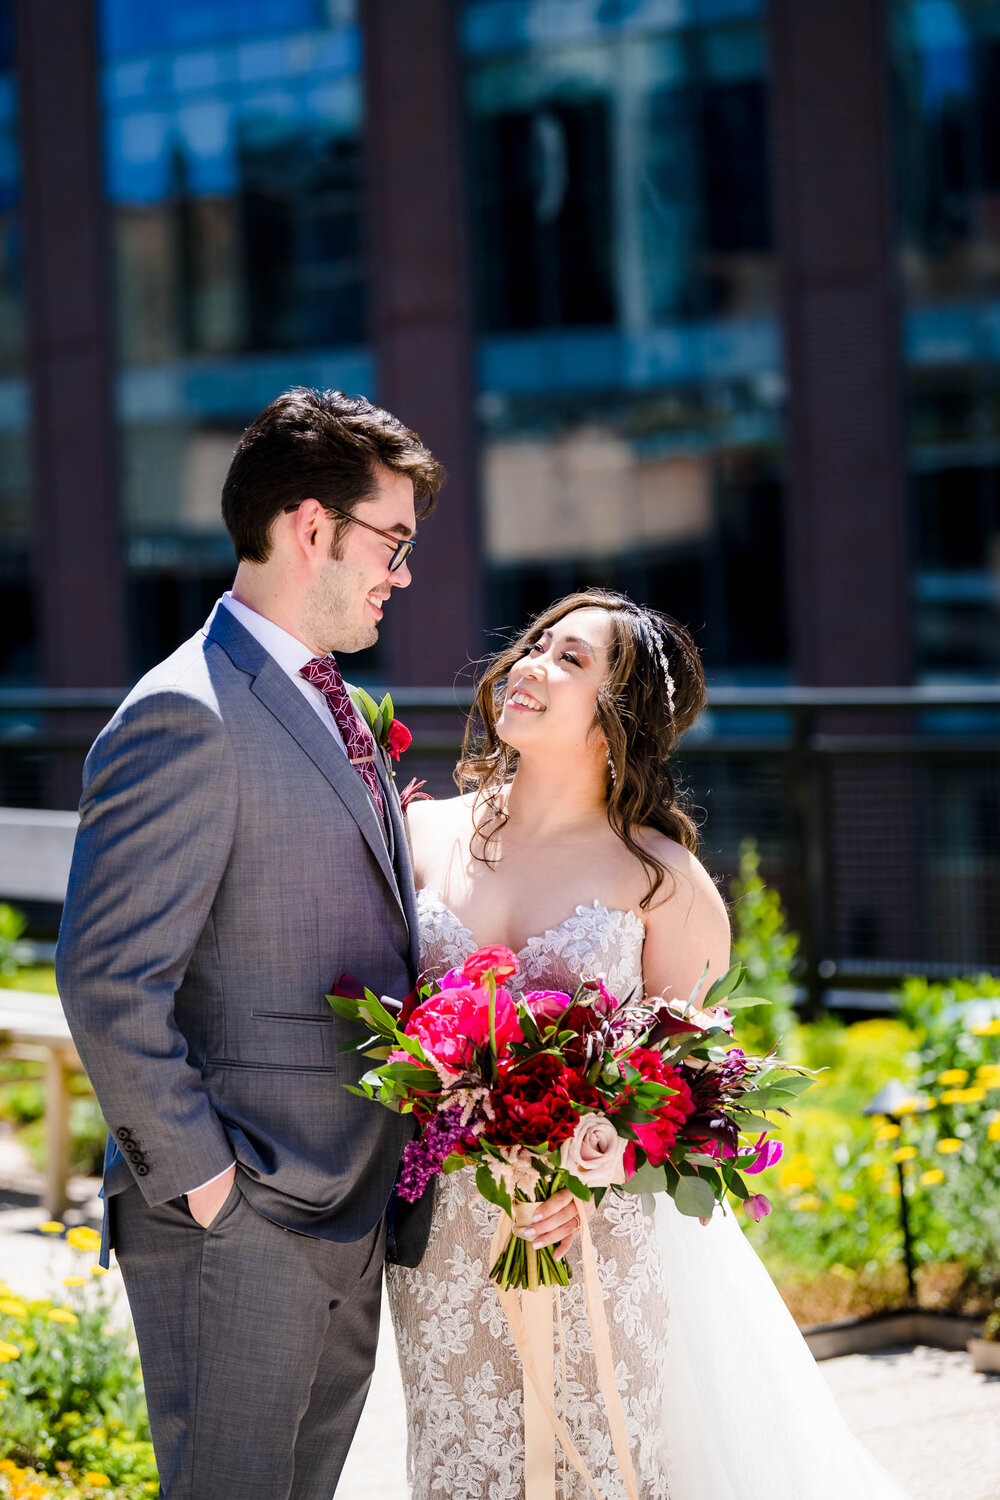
987	1028
948	1145
952	1096
84	1238
62	1315
808	1203
887	1132
98	1270
953	1075
876	1171
96	1479
905	1153
52	1226
993	1131
932	1177
74	1281
8	1352
845	1200
13	1308
910	1106
98	1434
795	1176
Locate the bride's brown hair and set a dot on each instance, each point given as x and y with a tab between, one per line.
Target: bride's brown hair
633	713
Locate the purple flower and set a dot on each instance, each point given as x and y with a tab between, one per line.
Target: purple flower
424	1157
758	1207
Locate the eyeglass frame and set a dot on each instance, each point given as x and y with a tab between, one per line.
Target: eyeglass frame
404	545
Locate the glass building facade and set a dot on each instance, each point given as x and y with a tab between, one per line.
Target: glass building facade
629	349
17	634
946	57
233	169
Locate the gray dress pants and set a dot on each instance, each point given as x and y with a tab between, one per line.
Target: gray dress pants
257	1347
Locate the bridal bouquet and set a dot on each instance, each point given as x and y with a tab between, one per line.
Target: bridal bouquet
585	1091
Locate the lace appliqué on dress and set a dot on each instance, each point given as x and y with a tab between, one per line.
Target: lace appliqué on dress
461	1374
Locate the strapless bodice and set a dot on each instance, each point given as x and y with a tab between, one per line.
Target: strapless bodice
591	941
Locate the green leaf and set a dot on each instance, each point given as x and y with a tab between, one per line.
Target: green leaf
375	1013
648	1205
693	997
749	1123
576	1187
730	980
493	1191
694	1197
453	1163
345	1006
648	1179
387	711
378	1053
745	1002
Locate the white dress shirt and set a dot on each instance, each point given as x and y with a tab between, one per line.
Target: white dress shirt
291	655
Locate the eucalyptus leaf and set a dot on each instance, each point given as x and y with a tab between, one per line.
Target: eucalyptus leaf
648	1179
648	1205
694	1197
731	980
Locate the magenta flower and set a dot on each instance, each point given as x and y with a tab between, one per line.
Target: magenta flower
758	1207
547	1005
766	1153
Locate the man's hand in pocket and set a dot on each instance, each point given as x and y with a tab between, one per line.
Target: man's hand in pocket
205	1202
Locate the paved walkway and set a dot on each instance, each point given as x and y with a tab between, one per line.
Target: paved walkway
931	1421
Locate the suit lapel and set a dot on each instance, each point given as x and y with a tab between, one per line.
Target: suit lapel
401	860
272	686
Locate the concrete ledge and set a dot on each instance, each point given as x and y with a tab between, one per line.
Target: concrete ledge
36	847
890	1330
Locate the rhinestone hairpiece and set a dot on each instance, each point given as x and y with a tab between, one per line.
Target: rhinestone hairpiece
656	645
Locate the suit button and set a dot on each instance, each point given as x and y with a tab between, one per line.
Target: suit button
135	1156
142	1170
123	1134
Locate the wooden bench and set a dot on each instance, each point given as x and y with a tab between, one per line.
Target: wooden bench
33	1026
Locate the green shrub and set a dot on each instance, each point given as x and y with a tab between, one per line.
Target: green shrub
12	924
71	1395
766	948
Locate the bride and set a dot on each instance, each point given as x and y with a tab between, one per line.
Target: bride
571	848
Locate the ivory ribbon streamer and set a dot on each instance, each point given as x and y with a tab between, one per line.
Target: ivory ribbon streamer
530	1318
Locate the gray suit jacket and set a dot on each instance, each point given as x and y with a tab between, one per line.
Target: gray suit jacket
229	866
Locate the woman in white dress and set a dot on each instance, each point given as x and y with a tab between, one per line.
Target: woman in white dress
572	850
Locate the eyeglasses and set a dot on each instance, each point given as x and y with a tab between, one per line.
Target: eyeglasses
402	548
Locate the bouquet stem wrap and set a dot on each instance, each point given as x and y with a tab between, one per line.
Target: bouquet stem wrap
531	1318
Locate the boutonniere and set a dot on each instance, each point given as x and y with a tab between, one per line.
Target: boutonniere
391	735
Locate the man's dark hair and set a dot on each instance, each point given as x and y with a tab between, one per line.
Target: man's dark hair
318	445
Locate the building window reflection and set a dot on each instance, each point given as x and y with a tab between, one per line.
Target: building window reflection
18	659
629	358
947	72
233	168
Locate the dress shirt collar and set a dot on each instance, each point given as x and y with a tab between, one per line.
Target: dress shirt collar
288	651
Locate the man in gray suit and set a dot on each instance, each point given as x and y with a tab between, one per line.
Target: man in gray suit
241	845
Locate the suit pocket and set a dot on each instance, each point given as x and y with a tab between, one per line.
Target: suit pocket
225	1063
291	1015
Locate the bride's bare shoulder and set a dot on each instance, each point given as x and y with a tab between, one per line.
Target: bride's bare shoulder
685	875
436	828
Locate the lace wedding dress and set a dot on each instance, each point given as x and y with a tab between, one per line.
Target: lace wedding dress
721	1396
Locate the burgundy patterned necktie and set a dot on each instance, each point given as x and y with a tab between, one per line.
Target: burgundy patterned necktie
324	673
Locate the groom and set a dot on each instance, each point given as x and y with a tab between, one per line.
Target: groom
241	845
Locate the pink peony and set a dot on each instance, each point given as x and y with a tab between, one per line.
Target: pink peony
547	1005
595	1153
501	960
453	1023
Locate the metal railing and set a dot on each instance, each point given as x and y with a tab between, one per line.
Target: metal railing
876	812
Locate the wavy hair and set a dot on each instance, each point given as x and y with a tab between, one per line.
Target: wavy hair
633	712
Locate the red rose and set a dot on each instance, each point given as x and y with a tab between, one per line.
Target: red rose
657	1136
399	739
535	1101
501	960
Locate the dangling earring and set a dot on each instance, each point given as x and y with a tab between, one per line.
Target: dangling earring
611	764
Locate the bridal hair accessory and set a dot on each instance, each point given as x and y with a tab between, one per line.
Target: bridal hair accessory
588	1092
655	644
611	765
